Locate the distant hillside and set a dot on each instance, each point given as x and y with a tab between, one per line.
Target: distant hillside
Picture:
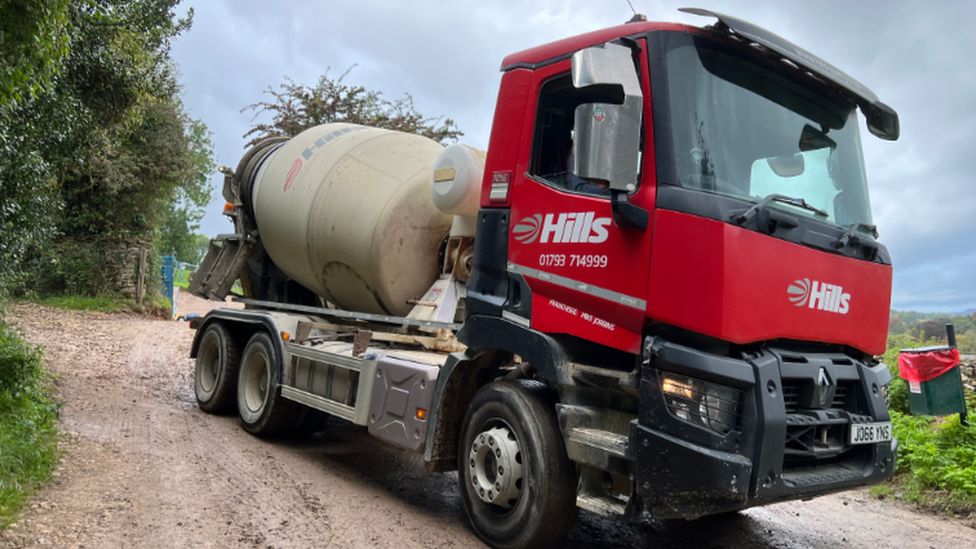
931	327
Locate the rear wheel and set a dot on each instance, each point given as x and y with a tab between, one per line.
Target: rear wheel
262	409
517	485
215	375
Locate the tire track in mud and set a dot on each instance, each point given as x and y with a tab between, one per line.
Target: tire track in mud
195	448
250	480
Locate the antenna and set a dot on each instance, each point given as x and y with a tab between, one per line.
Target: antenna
638	17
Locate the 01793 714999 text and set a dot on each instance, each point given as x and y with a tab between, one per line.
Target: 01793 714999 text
591	261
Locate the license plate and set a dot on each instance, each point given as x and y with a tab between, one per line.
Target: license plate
870	433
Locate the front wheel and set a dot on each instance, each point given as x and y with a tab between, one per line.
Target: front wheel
518	487
262	409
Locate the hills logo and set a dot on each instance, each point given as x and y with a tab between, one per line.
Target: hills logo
574	227
815	294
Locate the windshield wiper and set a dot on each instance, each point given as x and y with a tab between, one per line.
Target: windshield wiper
850	236
742	217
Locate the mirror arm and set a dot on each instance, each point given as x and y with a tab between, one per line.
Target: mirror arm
635	51
630	43
625	214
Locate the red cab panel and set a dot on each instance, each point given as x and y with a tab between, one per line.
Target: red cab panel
741	286
588	275
553	316
552	50
505	142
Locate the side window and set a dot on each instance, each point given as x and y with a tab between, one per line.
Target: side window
553	144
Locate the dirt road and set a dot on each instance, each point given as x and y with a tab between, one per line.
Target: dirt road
143	467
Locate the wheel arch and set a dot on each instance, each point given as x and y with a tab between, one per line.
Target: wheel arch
542	352
241	325
492	343
459	379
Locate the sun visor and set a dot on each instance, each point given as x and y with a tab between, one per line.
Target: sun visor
882	120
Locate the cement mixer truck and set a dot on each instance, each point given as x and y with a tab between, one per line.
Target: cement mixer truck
658	294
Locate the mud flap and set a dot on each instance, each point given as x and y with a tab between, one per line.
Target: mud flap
221	267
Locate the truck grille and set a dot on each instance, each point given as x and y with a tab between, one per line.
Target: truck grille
816	435
791	395
793	391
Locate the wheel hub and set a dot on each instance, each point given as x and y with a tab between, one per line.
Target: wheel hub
209	365
256	382
495	467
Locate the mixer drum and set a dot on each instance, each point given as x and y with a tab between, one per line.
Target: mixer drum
346	211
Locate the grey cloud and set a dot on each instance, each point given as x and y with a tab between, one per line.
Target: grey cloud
447	54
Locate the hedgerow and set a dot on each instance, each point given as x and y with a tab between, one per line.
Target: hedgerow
28	423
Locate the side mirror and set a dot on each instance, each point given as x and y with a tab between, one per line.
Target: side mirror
606	144
882	120
607	134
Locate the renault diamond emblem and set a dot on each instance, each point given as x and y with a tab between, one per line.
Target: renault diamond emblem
823	380
824	387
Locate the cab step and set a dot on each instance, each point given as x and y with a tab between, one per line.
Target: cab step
614	444
602	505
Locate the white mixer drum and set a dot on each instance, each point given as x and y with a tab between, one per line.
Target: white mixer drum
346	211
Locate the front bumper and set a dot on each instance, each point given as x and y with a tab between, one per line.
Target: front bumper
790	439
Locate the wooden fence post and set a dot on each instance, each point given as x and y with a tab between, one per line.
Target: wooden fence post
141	276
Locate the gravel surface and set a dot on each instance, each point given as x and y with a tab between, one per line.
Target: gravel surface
142	466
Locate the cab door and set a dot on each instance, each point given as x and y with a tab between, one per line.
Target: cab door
587	270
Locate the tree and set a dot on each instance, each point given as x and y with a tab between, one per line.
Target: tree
295	107
33	41
178	233
179	236
104	156
33	44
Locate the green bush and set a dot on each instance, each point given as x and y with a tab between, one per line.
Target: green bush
898	395
936	456
80	267
28	423
937	461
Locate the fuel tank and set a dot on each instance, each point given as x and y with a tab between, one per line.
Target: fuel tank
346	211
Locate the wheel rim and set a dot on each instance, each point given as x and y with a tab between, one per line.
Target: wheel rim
208	367
257	376
495	466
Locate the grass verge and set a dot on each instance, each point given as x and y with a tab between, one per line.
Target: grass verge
936	464
102	303
28	423
153	305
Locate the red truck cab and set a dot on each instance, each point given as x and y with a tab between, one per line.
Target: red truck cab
728	292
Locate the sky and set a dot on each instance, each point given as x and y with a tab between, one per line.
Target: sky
917	57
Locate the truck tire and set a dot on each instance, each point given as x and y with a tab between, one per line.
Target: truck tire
262	409
518	487
215	374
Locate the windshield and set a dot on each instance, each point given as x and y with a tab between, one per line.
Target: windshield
744	129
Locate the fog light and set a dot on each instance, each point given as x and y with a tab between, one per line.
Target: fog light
702	403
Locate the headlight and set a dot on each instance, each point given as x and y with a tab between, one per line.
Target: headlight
709	405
